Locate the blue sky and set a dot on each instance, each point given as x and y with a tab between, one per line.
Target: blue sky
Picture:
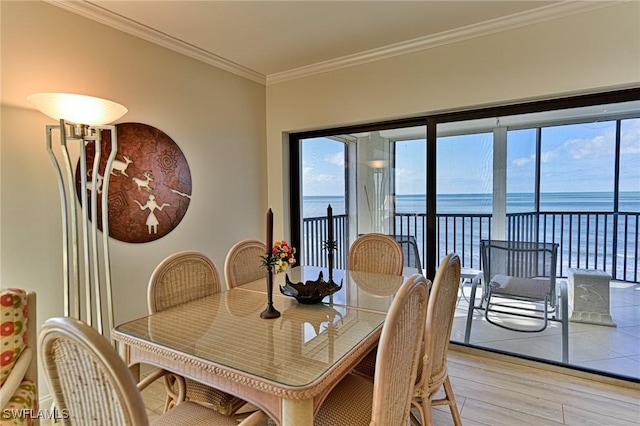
575	158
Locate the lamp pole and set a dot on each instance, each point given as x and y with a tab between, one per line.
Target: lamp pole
86	280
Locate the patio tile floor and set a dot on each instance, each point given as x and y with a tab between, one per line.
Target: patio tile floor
614	350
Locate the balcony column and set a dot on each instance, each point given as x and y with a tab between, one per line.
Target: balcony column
499	227
373	184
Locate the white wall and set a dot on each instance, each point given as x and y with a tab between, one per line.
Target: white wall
217	119
583	53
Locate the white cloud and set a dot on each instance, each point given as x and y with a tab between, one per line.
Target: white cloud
405	173
522	161
598	146
548	156
310	176
323	177
579	149
336	159
630	137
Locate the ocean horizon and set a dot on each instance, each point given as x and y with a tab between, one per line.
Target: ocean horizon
564	226
629	201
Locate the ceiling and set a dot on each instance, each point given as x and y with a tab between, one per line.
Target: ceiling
271	41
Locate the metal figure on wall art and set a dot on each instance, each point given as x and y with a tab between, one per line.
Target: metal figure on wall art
152	220
149	166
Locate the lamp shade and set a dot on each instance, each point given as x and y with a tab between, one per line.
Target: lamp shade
78	109
377	164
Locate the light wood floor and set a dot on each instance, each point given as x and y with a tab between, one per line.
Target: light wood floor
494	392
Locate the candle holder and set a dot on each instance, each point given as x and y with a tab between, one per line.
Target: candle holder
270	311
269	261
330	246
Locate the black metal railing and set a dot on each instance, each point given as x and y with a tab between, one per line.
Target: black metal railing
591	240
315	232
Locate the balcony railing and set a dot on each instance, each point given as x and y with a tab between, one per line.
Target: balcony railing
591	240
315	232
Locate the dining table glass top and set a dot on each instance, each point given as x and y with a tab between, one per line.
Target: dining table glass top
295	349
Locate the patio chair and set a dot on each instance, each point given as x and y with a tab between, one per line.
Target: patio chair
410	251
243	263
357	401
180	278
92	386
520	279
433	372
376	253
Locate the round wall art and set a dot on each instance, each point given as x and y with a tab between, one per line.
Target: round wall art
149	183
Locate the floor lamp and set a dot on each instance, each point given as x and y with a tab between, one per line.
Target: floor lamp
81	120
379	193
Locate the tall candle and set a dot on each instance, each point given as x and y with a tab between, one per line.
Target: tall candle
330	226
269	232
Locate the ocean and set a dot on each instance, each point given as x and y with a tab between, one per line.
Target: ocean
586	240
316	206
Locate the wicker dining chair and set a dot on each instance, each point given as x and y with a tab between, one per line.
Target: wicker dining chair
357	401
92	386
244	263
376	253
180	278
380	254
433	373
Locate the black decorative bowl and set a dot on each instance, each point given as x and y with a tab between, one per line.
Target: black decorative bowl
311	291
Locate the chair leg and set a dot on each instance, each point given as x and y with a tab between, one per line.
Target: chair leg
472	306
451	399
564	318
170	382
427	415
416	421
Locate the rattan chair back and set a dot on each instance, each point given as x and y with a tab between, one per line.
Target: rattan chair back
357	401
180	278
376	253
244	263
92	386
399	353
437	333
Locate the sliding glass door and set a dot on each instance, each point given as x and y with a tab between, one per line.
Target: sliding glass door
565	171
374	181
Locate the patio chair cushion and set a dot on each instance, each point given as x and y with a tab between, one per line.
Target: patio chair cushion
533	288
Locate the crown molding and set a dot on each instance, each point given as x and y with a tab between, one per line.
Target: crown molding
103	16
542	14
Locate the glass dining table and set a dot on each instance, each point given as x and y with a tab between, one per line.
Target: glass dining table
285	366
